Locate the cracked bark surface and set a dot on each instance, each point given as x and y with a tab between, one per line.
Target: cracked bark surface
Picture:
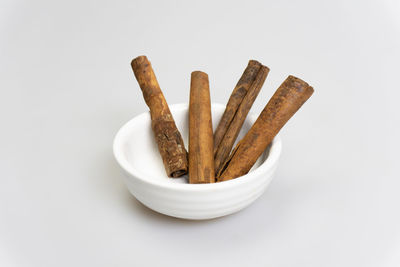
168	138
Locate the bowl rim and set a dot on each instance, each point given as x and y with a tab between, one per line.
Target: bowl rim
265	167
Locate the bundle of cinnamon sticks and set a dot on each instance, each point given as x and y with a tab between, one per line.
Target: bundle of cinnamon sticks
211	158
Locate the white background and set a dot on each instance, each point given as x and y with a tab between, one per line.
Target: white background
67	86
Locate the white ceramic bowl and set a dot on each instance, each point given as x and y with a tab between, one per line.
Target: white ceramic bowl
137	154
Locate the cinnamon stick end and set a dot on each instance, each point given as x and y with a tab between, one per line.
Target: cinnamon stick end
265	69
300	85
178	173
138	61
199	74
254	62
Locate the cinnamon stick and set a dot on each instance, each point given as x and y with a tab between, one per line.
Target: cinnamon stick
251	81
289	97
201	158
238	93
169	140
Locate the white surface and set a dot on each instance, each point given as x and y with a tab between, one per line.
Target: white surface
66	87
135	151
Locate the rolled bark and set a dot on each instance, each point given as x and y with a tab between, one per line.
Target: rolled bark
238	93
201	157
243	109
169	140
289	97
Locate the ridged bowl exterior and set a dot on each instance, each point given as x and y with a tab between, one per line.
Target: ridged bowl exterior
196	201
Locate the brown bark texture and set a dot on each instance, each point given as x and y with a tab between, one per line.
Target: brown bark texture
201	157
235	99
239	105
168	138
289	97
